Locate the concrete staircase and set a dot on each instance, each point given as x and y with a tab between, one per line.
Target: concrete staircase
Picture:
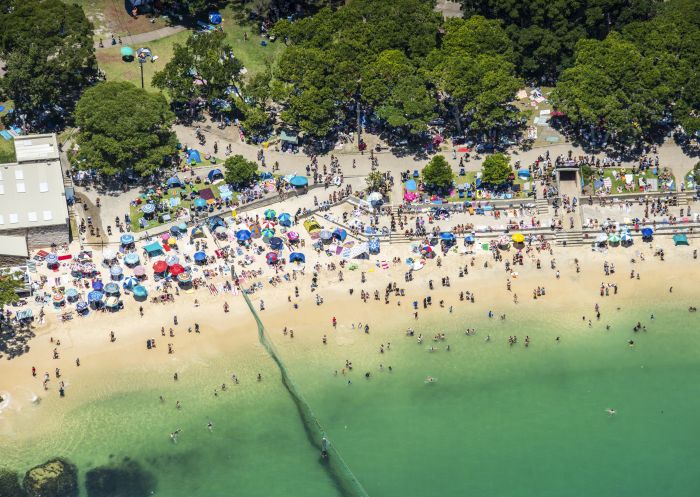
542	206
569	239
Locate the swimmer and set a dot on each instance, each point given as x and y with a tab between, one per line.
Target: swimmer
210	426
430	379
611	411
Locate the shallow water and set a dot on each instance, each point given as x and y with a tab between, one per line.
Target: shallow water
499	420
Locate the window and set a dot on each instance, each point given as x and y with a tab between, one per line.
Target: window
21	188
14	218
43	187
19	174
48	216
32	216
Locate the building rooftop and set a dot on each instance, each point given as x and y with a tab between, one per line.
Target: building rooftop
32	192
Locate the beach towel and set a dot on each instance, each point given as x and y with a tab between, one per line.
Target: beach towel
207	194
385	265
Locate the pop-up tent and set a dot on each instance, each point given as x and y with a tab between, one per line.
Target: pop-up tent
214	175
174	182
312	225
297	257
680	239
193	156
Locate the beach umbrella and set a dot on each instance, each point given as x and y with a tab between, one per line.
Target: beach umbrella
108	254
126	239
71	293
325	235
172	241
160	266
116	271
200	203
276	242
97	285
647	232
131	259
148	208
446	236
215	18
268	225
51	259
130	282
182	227
126	52
297	257
626	237
255	231
197	232
165	236
613	238
95	296
518	237
267	233
271	258
172	259
299	181
270	214
81	306
140	291
374	245
601	238
174	230
340	234
139	271
176	269
111	288
470	239
184	278
200	256
293	236
57	297
243	235
285	219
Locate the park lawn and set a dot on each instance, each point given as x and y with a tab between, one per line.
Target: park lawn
111	17
110	60
7	151
608	173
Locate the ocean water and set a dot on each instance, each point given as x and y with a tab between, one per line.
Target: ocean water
499	420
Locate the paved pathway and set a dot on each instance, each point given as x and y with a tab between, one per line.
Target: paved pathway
142	38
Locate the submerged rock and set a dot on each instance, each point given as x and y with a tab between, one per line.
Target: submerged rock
127	479
9	484
55	478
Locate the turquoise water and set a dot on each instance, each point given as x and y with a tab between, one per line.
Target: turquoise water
499	420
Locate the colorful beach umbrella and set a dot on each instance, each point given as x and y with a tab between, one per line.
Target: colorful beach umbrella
140	291
97	285
293	236
130	282
51	259
172	259
268	225
200	256
111	288
126	239
243	235
267	233
95	296
116	270
340	234
139	271
271	258
270	214
518	237
200	203
285	219
131	259
184	278
176	269
160	266
297	257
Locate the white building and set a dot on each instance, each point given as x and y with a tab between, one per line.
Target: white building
33	209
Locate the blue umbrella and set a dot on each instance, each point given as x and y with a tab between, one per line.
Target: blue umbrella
95	296
373	245
140	291
81	306
200	203
647	232
285	219
116	270
51	259
215	18
111	288
297	257
126	239
71	293
276	242
175	230
182	227
200	256
97	285
131	259
299	181
448	237
172	259
148	209
340	234
130	282
243	235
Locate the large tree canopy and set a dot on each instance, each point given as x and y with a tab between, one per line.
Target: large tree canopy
203	67
613	87
437	174
122	128
239	171
496	169
48	48
545	32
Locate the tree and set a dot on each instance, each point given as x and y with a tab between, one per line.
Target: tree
10	283
496	169
409	106
374	181
437	174
313	111
256	121
239	171
612	87
123	127
203	67
48	49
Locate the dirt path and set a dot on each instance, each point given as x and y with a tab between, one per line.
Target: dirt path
141	38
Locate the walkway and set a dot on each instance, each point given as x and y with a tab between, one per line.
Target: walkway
141	38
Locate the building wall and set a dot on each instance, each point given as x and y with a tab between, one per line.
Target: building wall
42	236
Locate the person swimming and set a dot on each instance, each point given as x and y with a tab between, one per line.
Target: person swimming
430	379
611	411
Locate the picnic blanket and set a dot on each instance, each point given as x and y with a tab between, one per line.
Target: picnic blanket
207	195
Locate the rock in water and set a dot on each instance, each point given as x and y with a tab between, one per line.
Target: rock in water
55	478
128	479
9	484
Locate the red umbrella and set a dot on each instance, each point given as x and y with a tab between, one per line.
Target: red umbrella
160	266
176	269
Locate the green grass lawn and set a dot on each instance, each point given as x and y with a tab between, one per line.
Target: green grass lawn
7	151
136	214
619	185
251	53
